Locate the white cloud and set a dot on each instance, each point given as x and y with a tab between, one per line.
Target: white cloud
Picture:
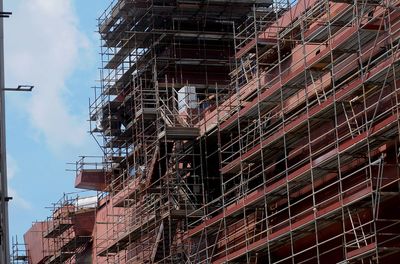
12	167
12	171
43	47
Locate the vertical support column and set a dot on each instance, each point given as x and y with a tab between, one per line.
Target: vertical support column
4	247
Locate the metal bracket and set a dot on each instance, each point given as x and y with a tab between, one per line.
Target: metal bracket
5	14
21	88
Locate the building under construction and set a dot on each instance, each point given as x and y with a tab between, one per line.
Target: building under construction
238	131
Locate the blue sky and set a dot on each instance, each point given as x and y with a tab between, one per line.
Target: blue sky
51	44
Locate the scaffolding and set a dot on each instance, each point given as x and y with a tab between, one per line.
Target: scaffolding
65	236
309	153
303	122
18	252
69	233
262	131
162	64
